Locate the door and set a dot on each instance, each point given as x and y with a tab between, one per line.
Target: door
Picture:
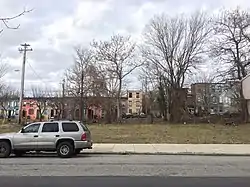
48	136
27	138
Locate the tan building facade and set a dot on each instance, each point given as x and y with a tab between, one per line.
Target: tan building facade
134	101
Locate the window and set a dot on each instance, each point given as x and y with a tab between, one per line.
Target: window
130	111
221	99
31	111
198	98
214	100
130	95
130	103
50	127
70	127
137	95
32	128
52	113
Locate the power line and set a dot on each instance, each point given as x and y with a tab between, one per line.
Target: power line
38	76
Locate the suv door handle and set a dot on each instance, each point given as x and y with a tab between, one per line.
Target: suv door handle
35	136
57	135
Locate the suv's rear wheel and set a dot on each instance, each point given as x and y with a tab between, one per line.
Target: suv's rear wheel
65	149
5	149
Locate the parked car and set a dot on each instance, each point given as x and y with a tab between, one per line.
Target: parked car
67	138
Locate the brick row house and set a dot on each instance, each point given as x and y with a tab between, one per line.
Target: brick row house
93	108
215	98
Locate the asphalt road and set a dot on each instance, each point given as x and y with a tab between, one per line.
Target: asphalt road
123	182
127	165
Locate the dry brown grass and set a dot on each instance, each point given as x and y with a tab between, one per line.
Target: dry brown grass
178	134
5	128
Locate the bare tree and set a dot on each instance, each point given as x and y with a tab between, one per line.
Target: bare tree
231	46
173	46
79	76
6	20
118	58
4	67
7	95
202	76
55	101
41	96
149	87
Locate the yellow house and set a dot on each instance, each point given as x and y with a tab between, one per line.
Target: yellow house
134	101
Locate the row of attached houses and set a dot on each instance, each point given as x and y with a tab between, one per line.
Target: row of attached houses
215	98
94	108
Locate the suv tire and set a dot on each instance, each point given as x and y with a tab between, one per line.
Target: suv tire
65	149
5	149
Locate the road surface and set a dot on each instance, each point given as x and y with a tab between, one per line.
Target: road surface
142	170
126	165
123	182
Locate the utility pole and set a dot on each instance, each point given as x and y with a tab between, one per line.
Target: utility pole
24	49
63	97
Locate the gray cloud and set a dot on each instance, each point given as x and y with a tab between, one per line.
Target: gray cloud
55	26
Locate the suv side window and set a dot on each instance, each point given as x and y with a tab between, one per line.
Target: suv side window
50	127
70	127
32	128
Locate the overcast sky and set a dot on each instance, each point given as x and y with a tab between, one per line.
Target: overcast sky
55	26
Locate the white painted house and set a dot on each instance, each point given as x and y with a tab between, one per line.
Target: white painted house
246	90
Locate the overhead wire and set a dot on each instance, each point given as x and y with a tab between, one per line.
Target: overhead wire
38	76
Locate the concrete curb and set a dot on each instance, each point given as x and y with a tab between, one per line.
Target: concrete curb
164	153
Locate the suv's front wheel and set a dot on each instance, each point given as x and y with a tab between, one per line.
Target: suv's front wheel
65	149
5	149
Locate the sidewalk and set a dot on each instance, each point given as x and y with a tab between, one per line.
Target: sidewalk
172	149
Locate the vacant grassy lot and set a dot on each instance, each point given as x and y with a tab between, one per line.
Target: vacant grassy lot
179	134
182	134
5	128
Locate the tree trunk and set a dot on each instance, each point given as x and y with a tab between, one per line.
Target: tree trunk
40	115
163	101
60	114
177	105
108	115
118	101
